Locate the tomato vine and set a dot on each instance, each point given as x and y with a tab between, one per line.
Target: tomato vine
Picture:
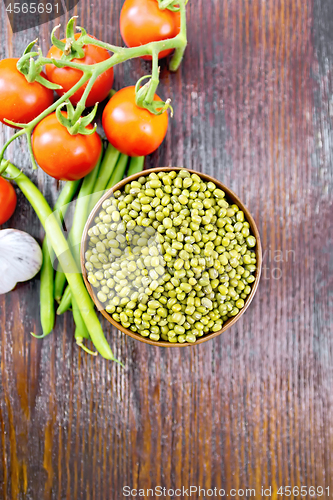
32	62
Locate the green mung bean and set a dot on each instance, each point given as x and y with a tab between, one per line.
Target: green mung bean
170	258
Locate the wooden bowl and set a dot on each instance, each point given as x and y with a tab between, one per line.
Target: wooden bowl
231	197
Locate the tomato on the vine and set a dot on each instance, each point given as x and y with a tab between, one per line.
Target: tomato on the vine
8	200
62	155
20	101
142	21
68	77
133	130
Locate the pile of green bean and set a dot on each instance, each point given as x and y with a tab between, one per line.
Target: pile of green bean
170	258
61	249
109	171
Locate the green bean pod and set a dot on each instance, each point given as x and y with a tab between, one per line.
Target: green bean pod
81	331
81	206
107	167
66	301
66	195
47	313
85	198
119	171
59	283
136	165
62	251
81	211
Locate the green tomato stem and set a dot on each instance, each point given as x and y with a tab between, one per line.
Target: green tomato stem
82	102
177	59
33	161
153	84
179	52
104	45
13	137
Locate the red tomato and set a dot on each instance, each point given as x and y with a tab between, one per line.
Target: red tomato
142	21
20	101
62	155
8	200
68	77
133	130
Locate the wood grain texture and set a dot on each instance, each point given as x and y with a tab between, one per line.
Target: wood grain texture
253	107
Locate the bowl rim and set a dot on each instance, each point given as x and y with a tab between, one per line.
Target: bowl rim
230	195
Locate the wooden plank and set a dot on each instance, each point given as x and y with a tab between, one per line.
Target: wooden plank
253	107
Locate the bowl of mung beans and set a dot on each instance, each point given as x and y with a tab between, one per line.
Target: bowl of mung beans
171	257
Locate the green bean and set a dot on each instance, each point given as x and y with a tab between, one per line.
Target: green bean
81	331
47	316
79	219
119	171
66	301
136	165
62	251
59	283
106	169
65	197
47	313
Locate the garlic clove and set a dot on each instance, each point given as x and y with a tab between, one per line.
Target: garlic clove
20	258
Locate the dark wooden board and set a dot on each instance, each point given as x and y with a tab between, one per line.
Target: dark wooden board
253	107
